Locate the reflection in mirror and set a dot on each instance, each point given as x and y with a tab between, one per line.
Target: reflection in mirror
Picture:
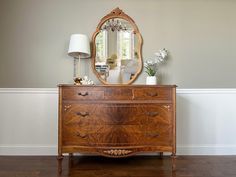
117	57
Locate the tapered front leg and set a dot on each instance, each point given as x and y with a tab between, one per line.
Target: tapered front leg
70	160
173	159
59	163
161	155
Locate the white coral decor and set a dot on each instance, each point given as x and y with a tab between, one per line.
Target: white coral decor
86	81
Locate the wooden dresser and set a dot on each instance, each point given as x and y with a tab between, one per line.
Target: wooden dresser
116	121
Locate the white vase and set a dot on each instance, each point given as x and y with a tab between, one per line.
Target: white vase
151	80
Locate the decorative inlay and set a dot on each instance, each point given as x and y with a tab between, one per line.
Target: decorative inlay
117	152
66	107
167	107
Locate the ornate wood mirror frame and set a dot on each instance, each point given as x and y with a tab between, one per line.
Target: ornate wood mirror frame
123	63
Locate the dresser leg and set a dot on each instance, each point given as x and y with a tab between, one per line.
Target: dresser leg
70	160
173	159
161	155
59	163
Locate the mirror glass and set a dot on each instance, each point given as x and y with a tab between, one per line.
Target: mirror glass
117	48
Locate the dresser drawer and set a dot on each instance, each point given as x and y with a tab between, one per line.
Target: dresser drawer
104	135
82	93
104	114
152	94
116	135
116	114
112	93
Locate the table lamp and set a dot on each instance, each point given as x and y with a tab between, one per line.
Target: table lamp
79	48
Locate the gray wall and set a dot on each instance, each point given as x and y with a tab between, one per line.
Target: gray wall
200	35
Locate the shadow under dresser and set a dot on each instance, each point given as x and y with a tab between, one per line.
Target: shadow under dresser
116	120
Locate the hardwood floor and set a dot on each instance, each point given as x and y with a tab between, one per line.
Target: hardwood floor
138	166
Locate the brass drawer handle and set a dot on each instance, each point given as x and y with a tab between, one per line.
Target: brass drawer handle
82	135
83	93
152	114
153	135
83	114
152	94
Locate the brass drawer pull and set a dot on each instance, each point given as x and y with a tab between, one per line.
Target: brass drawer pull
152	94
82	135
83	114
83	93
152	114
153	135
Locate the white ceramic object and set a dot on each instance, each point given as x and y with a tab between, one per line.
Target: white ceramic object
151	80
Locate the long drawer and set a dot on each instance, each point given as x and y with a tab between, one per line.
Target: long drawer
116	135
116	114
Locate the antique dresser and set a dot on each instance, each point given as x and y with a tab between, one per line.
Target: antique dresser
116	120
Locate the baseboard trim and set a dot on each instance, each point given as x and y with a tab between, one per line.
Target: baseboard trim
181	150
28	150
207	150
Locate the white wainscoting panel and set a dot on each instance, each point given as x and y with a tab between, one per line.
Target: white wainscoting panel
28	121
206	121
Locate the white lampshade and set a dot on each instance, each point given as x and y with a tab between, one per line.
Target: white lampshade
79	46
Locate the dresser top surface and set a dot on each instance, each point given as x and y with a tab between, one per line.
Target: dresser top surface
133	85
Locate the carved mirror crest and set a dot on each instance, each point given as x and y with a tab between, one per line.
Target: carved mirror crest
117	47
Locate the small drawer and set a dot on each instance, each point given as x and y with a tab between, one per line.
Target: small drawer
82	93
113	93
152	94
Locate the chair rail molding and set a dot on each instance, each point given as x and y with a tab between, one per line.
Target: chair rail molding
29	90
178	90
